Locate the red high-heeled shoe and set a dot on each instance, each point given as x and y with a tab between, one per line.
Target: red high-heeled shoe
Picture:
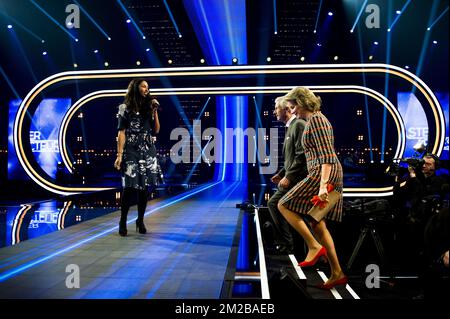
320	253
342	281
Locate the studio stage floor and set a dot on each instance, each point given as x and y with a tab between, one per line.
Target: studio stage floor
184	254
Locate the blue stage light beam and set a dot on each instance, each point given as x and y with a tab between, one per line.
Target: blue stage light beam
11	86
437	19
358	16
366	103
391	27
426	42
93	21
317	17
203	109
16	22
53	19
24	55
131	19
221	41
275	23
172	18
386	84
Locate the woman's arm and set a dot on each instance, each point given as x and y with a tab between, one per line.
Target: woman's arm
325	175
155	118
120	146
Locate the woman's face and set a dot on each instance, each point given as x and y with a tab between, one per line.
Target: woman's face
143	88
295	109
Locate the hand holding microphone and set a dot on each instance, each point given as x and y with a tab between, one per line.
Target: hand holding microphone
154	104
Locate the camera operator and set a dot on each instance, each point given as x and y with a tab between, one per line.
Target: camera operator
416	196
418	188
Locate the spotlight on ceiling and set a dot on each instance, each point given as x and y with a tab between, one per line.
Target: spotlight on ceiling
109	39
128	21
147	50
202	61
143	37
335	58
95	51
138	62
398	12
106	64
269	59
370	57
235	60
44	53
375	42
169	61
76	40
275	32
9	26
406	66
302	58
434	42
330	14
180	35
389	30
75	65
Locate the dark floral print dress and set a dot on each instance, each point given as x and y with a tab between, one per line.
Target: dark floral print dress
139	161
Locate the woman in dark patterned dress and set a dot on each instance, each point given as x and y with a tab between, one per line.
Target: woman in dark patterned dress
323	168
136	152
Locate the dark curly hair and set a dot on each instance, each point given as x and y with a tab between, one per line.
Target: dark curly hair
133	99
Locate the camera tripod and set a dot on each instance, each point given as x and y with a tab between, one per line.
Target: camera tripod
369	227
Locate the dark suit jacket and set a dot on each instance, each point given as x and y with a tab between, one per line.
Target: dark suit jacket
294	158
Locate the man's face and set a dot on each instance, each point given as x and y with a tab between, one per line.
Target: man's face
429	167
280	113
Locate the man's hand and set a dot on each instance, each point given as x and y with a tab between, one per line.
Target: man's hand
284	183
276	179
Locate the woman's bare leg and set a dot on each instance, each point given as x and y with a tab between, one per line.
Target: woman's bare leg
322	232
300	226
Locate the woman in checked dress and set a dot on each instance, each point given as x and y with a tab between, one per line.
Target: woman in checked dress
324	169
136	153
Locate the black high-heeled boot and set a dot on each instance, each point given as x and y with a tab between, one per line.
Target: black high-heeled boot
123	228
140	226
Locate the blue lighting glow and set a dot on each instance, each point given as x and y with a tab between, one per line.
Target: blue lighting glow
359	15
398	15
220	42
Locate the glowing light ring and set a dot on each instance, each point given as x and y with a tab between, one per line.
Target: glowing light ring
221	70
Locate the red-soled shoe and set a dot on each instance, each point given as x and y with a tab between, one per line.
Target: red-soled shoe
342	281
320	253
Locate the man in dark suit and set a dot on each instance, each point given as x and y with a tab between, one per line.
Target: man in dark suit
293	171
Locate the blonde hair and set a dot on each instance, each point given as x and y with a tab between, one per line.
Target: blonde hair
281	101
305	98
